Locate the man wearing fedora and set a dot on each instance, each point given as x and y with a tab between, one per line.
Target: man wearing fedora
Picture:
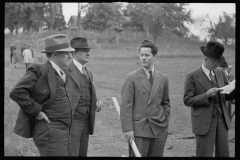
83	97
209	115
45	110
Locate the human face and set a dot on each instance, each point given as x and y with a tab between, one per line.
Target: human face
211	64
146	57
62	58
82	55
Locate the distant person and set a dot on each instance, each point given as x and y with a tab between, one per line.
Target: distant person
27	56
83	97
210	119
23	48
45	110
17	56
145	108
12	48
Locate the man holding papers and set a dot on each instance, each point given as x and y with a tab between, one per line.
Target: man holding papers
210	120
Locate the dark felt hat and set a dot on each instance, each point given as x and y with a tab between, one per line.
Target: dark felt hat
213	50
79	42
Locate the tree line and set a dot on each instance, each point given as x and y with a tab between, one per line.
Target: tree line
33	16
154	18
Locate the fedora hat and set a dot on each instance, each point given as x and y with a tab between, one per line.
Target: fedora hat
213	50
79	42
58	42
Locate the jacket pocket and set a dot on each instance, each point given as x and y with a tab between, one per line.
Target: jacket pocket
196	112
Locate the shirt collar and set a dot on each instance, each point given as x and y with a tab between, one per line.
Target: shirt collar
55	66
206	71
78	65
147	71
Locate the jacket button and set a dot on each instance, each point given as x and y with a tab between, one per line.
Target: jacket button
143	92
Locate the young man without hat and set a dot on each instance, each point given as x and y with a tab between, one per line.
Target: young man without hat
145	108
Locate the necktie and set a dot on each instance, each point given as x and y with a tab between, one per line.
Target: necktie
151	77
63	76
85	72
213	80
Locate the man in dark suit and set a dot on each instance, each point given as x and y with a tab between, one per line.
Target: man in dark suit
210	119
12	48
145	108
83	97
45	109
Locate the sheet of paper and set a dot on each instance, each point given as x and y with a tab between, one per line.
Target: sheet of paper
228	88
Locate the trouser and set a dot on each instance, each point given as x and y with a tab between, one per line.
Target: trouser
11	56
51	138
79	134
217	136
150	147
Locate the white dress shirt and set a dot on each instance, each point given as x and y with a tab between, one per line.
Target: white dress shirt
58	69
78	65
207	71
147	72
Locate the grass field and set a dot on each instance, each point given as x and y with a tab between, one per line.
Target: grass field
109	66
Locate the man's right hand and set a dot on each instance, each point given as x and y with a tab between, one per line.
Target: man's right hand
129	134
42	115
211	92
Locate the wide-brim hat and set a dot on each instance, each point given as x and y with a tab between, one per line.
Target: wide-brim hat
58	42
79	42
213	50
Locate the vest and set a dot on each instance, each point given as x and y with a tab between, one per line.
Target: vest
60	109
217	105
85	92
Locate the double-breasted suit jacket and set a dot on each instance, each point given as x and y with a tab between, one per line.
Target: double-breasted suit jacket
34	92
74	92
145	109
196	86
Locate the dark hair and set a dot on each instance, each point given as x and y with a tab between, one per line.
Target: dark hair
149	44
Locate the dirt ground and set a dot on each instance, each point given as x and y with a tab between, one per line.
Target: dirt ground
108	140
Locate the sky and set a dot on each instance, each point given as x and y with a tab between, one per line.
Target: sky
214	10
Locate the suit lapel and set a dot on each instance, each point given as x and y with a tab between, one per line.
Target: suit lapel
73	73
91	80
51	82
218	78
143	79
203	80
156	83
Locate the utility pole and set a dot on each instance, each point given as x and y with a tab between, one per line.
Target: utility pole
79	18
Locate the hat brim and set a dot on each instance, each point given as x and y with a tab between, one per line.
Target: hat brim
206	54
70	49
82	48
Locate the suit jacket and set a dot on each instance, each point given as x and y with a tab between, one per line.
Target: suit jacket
34	91
145	109
196	86
73	87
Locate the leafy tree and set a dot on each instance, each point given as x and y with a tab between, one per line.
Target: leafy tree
162	18
100	16
14	16
224	29
59	22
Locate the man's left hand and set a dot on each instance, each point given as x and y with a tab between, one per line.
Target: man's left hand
99	106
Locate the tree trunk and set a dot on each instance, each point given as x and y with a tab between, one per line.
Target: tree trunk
117	38
148	35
